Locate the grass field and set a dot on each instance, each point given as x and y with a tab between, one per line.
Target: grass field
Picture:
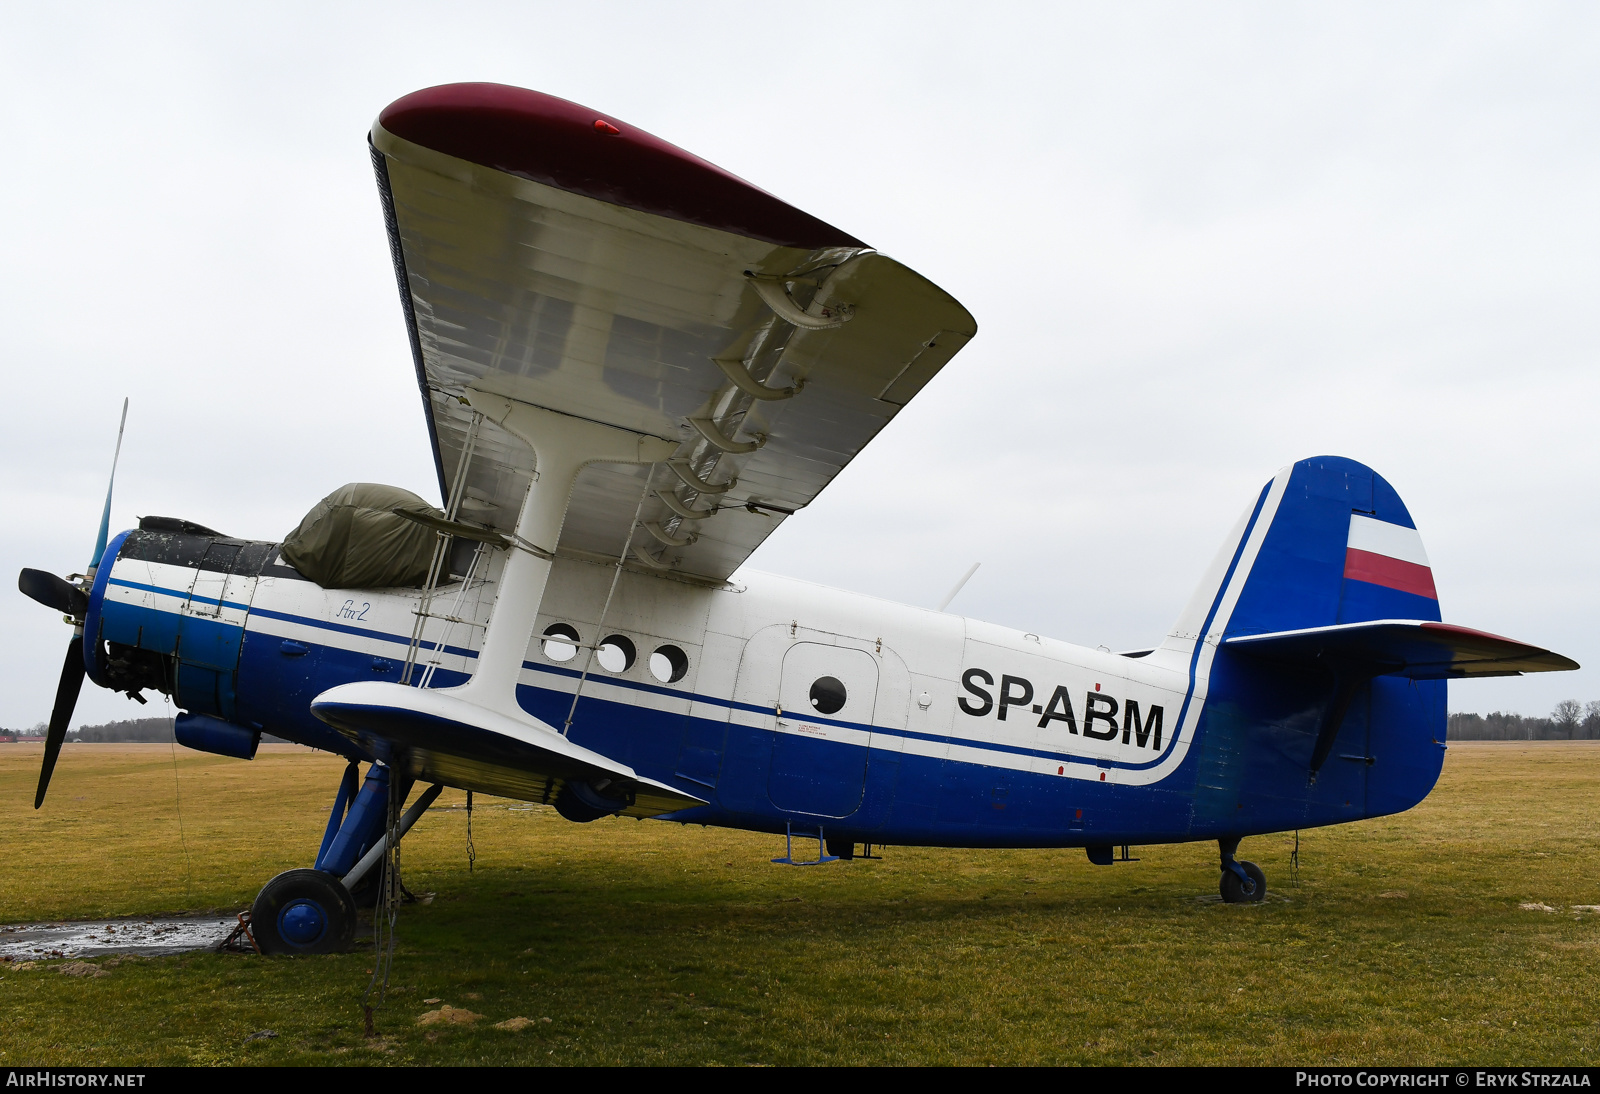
1404	941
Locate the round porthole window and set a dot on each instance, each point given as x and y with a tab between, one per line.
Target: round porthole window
827	695
669	664
560	642
616	653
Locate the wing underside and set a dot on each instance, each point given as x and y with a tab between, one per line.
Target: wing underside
446	739
771	350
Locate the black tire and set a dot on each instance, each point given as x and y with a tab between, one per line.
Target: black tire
303	911
1236	891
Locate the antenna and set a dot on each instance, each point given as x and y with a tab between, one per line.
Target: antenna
959	586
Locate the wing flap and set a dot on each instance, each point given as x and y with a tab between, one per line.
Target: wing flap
1404	647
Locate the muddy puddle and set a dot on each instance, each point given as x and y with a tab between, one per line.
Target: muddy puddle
149	937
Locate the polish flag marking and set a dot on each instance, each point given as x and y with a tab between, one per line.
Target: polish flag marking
1389	555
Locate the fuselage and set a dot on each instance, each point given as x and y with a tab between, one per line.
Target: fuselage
781	703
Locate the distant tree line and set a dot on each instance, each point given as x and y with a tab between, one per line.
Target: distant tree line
134	729
1569	721
158	730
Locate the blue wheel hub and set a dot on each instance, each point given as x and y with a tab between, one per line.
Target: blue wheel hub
302	922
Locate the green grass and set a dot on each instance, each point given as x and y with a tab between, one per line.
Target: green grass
1403	942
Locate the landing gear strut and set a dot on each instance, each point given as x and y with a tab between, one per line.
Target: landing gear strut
314	911
1242	882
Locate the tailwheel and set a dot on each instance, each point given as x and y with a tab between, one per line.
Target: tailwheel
303	911
1250	889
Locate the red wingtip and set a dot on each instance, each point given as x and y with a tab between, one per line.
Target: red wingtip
551	141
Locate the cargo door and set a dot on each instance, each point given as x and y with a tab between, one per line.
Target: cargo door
827	697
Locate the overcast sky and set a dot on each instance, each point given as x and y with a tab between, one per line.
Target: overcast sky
1201	241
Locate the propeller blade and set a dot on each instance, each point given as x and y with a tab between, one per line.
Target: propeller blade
72	673
53	592
105	516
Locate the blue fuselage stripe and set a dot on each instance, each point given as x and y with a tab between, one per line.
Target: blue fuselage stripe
632	685
181	594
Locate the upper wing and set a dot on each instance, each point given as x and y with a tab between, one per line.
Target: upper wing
564	259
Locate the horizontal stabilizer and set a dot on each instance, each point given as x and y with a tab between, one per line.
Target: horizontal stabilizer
446	739
1403	647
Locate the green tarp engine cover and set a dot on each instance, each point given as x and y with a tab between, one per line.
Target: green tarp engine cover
353	539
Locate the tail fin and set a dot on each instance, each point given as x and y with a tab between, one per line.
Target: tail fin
1328	541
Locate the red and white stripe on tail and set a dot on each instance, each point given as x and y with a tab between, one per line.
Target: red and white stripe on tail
1387	554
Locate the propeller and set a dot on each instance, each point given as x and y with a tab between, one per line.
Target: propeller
53	592
105	514
71	601
72	673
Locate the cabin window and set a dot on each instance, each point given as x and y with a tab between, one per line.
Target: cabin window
827	695
669	664
560	642
617	653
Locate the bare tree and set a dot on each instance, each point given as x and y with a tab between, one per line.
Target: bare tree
1566	716
1591	719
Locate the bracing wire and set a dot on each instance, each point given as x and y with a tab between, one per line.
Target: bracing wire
441	547
177	805
453	617
599	627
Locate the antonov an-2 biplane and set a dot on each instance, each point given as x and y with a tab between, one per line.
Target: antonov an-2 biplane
634	367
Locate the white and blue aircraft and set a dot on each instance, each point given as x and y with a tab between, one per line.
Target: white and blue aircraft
634	367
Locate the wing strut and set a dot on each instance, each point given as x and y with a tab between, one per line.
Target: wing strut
482	718
563	446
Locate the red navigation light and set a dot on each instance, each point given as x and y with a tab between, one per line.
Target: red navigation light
603	126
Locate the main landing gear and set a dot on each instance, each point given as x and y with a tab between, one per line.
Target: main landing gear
303	911
314	911
1242	882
